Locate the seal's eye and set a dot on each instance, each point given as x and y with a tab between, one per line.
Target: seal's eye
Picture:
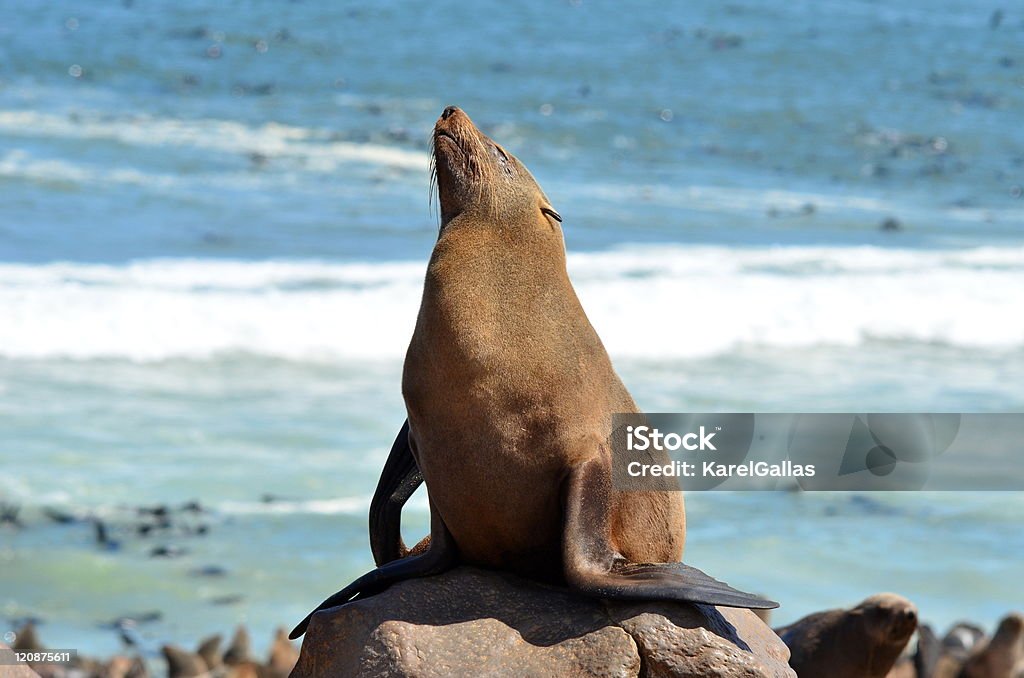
552	213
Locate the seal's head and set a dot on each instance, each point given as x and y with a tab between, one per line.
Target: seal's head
477	177
889	619
1010	631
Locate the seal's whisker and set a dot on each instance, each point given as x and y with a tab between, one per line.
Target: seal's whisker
433	192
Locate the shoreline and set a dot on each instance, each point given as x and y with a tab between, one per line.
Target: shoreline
964	641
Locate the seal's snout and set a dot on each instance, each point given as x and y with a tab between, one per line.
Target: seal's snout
452	117
450	123
904	621
471	171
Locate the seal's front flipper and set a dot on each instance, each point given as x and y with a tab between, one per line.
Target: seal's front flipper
593	568
439	557
398	480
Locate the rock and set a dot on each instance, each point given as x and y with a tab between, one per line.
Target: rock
1002	656
764	615
11	669
701	640
862	642
471	622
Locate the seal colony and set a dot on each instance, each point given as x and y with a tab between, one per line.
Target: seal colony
510	394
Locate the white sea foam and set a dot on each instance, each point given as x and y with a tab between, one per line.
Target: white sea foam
339	505
646	302
18	164
742	200
316	149
296	151
356	505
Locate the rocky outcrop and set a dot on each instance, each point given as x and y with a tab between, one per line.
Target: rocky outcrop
10	669
472	622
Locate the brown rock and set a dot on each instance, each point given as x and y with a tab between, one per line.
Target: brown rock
701	640
472	622
861	642
11	670
764	615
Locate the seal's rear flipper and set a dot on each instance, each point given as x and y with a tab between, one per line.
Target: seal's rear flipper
398	480
666	581
439	557
593	568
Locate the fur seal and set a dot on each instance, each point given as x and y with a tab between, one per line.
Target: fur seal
962	638
283	656
183	664
239	650
1002	656
862	642
209	650
510	394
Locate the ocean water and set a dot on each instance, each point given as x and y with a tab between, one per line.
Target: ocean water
214	222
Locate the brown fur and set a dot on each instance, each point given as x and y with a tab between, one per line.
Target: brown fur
283	655
862	642
507	385
1002	656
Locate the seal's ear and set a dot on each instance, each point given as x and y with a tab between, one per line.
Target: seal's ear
552	213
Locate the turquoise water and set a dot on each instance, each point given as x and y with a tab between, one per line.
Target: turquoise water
214	223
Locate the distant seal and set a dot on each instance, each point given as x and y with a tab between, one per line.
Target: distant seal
183	664
962	638
238	651
861	642
510	394
1002	656
283	655
209	650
